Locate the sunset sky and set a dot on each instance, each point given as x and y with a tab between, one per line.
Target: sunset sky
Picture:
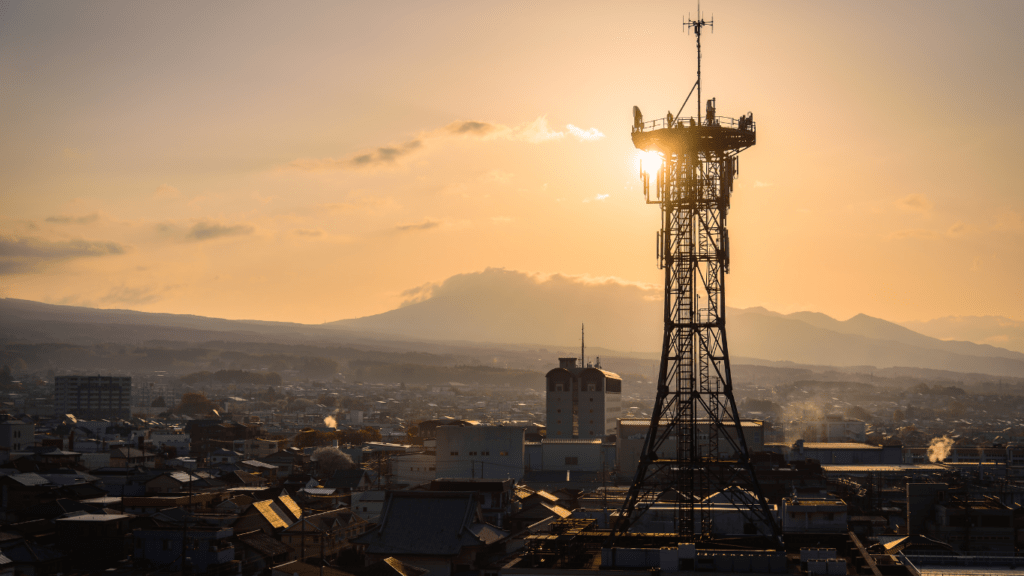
315	161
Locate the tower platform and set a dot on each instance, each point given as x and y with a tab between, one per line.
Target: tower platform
685	134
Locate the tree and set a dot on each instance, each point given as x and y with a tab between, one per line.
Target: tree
898	416
159	402
311	437
194	403
327	400
330	459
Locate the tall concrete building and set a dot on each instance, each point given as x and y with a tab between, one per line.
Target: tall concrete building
93	396
582	402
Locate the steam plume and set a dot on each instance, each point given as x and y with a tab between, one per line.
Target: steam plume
331	422
939	449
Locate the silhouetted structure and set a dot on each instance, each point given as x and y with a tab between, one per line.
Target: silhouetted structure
683	463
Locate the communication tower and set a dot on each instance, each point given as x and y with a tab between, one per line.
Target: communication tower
695	446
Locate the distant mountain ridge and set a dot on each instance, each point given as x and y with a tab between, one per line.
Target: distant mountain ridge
509	308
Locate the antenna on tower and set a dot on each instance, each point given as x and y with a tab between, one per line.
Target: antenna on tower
698	25
583	347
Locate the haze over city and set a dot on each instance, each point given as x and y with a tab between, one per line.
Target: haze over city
323	161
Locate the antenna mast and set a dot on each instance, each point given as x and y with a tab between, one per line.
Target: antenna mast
697	25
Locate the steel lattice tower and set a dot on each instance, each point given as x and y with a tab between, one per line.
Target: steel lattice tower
695	446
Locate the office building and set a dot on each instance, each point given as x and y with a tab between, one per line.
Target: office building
93	397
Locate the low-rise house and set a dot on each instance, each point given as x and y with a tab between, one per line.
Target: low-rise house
443	532
208	550
134	457
94	541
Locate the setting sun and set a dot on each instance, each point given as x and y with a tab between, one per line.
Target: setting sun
649	162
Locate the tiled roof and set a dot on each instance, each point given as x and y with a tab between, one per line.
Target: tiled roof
429	524
266	509
266	545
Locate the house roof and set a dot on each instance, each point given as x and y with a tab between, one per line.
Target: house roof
29	479
392	566
346	479
429	524
274	516
265	545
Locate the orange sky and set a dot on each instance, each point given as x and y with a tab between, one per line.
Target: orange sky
312	162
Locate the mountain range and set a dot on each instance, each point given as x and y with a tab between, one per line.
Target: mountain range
498	307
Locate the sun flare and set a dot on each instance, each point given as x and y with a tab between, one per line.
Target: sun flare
649	162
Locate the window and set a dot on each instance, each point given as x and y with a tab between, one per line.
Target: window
472	453
455	453
487	453
571	460
503	453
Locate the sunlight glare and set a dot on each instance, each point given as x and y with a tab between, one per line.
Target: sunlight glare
648	161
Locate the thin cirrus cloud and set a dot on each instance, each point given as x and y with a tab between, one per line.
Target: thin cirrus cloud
87	219
210	230
916	202
20	254
532	132
426	225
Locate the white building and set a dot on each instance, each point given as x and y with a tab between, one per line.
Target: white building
15	435
582	402
480	452
171	438
413	469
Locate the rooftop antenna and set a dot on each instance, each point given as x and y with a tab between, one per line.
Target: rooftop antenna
583	347
697	25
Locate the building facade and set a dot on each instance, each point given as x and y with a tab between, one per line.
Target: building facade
582	402
93	397
480	452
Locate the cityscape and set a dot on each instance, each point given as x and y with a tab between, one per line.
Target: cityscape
244	333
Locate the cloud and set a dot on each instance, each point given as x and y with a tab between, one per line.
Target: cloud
533	132
474	128
598	198
585	135
427	225
958	230
87	219
309	233
210	230
21	254
134	296
502	219
915	233
384	155
915	203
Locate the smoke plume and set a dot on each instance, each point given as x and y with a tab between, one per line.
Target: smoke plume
331	422
939	449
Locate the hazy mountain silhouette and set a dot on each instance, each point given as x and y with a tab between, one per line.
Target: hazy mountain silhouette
506	307
995	330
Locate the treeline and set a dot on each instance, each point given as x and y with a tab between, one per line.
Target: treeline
372	371
234	377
